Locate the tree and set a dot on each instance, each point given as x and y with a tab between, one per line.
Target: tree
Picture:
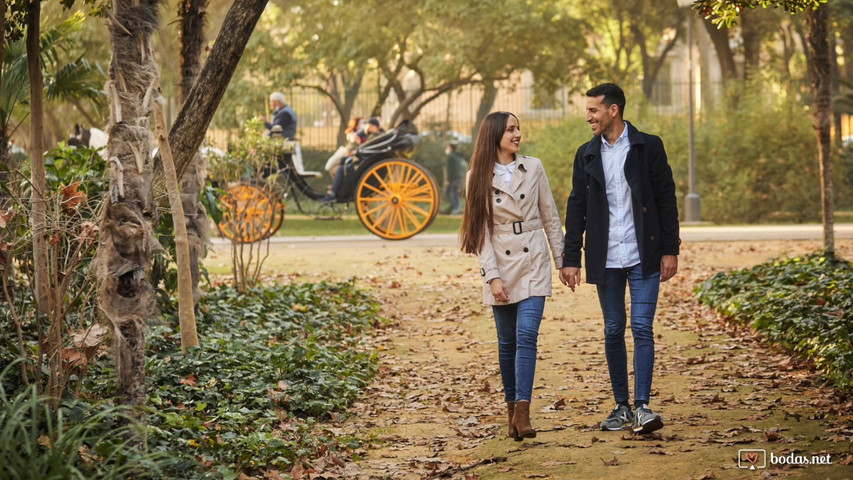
820	68
192	20
631	39
126	242
38	200
328	47
190	127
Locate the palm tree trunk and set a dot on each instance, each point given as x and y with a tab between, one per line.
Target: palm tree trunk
192	14
126	243
820	69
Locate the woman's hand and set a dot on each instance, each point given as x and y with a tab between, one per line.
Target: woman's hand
499	291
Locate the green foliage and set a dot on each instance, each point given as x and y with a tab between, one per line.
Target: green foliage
758	162
745	173
556	145
803	303
75	441
726	12
250	157
63	79
274	363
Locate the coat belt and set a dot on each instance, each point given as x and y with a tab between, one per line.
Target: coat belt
517	227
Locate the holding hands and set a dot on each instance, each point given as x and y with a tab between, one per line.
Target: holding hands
570	276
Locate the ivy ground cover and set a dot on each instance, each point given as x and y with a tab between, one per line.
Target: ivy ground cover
276	365
804	304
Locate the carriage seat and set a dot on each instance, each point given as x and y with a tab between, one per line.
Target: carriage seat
299	165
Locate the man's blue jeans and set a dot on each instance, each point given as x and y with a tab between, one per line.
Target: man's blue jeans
644	299
518	330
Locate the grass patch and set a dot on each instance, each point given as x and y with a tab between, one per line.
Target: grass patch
804	304
306	226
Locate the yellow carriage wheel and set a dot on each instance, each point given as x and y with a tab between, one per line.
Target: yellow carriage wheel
396	199
250	214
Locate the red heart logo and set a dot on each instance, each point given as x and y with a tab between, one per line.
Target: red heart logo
751	457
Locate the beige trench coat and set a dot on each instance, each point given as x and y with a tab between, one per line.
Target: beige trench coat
526	223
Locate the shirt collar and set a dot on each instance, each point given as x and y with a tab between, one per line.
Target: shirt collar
624	136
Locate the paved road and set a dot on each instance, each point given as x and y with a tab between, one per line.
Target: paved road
688	234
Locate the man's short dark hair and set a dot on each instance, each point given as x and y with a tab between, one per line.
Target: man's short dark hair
612	94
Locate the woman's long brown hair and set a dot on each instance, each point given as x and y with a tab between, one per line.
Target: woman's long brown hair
478	206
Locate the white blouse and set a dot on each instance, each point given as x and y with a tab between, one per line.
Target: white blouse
505	171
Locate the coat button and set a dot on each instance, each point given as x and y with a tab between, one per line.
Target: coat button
526	249
498	200
652	238
645	209
497	192
507	252
522	196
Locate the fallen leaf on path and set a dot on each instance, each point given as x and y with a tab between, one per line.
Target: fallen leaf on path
610	463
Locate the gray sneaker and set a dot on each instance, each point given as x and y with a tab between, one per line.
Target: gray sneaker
646	421
618	419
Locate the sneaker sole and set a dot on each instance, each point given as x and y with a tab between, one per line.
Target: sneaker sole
649	427
614	429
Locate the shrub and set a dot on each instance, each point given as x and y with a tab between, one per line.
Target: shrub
756	159
274	363
75	441
803	303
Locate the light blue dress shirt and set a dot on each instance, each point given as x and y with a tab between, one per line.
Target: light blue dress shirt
622	248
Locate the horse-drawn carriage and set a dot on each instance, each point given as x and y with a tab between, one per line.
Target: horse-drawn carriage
394	197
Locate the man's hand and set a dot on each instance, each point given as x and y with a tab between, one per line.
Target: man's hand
668	267
499	291
570	276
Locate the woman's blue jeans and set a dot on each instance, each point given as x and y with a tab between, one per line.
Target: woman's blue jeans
644	300
518	330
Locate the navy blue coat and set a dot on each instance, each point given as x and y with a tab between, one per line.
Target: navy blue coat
286	117
653	199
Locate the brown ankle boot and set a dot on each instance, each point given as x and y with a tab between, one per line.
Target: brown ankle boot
510	410
521	420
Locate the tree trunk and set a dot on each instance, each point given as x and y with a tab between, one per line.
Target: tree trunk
192	13
751	33
38	204
186	311
820	67
190	127
487	101
3	146
125	248
720	39
350	93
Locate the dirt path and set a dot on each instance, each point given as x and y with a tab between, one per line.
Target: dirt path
436	408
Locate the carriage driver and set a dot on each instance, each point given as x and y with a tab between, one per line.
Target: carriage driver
283	116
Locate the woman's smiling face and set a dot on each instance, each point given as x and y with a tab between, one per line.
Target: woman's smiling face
511	138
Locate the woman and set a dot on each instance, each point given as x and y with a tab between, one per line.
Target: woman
355	136
509	202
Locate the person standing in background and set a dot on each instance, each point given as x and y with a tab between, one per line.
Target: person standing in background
454	170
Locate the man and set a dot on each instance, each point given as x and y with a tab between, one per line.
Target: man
283	116
623	198
454	172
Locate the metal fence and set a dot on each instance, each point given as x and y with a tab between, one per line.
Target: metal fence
457	110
